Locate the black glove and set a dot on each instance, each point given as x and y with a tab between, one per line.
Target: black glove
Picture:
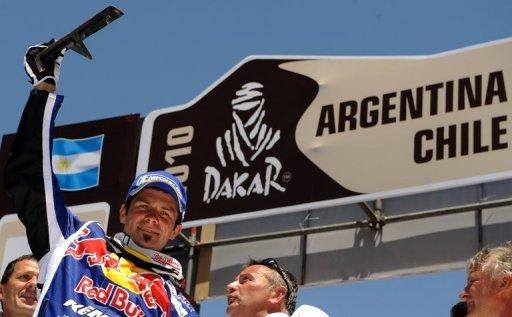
51	72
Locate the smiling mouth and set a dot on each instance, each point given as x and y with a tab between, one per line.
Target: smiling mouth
147	231
147	234
29	297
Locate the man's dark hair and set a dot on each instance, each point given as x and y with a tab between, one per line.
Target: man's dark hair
288	280
10	267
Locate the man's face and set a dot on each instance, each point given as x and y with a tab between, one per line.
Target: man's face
251	293
480	294
150	219
19	293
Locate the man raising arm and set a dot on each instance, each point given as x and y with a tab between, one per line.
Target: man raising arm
84	271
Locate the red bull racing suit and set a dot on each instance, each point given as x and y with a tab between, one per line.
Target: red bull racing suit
83	272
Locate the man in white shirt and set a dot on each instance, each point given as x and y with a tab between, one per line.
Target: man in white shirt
262	289
309	311
265	289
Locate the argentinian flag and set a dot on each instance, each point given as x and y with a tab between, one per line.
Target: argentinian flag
76	162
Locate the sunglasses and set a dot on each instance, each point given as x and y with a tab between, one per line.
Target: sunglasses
272	263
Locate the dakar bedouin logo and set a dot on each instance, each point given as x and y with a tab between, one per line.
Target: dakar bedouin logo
243	143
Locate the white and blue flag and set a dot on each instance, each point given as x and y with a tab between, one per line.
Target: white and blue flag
76	162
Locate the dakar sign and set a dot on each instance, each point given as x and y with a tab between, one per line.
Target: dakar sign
288	133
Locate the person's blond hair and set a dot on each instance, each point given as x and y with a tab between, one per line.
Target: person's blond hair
495	261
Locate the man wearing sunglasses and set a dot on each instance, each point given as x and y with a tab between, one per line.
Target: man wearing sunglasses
264	288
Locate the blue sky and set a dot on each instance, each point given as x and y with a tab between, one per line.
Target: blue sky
164	53
420	296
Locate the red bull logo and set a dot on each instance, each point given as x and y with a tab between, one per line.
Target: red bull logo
167	261
152	289
94	249
125	276
119	298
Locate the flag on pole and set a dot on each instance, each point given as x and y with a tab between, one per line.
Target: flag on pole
76	162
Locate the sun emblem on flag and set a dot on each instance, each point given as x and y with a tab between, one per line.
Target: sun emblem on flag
62	165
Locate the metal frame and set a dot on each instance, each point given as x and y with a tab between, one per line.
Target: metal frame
376	220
